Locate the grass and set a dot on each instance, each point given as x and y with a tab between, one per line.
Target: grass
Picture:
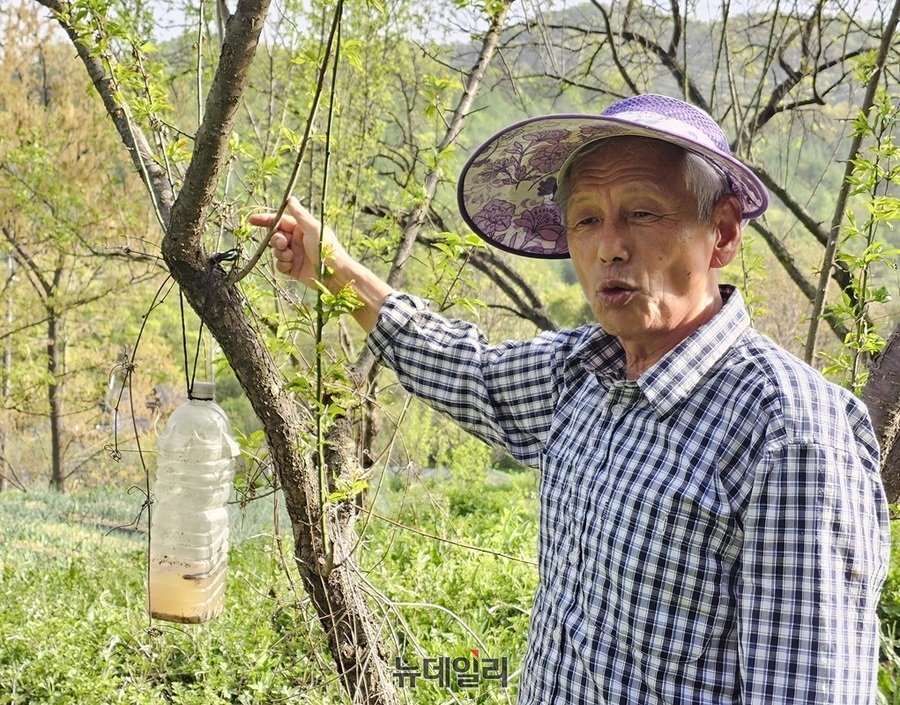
72	591
75	628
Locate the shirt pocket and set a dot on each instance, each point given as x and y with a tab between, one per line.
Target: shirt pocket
659	581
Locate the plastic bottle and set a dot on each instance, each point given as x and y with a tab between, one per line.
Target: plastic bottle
189	525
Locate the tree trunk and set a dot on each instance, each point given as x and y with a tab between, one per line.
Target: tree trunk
322	530
55	400
882	397
7	368
322	544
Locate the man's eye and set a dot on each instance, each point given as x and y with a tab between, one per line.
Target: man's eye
589	220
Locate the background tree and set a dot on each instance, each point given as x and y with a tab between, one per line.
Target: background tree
61	210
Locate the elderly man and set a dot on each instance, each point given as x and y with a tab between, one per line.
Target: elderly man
712	524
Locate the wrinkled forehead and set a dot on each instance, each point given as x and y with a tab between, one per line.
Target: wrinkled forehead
625	147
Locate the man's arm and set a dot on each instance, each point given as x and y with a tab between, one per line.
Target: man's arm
296	244
812	568
503	394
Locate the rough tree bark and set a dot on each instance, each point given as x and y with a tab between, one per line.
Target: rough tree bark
882	397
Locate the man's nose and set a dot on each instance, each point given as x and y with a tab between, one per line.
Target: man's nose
612	245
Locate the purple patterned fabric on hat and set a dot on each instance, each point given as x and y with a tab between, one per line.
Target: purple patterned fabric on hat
506	188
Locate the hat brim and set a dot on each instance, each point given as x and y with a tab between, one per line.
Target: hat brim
505	189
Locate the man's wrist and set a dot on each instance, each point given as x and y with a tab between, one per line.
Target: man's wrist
369	288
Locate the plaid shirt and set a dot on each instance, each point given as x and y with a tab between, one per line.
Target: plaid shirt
713	532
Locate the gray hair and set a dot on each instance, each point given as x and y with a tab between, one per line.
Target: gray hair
701	179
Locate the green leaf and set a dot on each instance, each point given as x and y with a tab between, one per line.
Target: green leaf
885	208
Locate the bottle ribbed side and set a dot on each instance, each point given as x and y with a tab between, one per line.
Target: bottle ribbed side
189	537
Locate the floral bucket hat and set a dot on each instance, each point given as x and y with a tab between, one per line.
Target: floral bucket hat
506	188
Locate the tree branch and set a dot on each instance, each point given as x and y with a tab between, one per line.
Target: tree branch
620	67
840	275
786	259
473	83
670	62
526	303
182	244
40	283
800	213
411	230
774	104
153	175
844	193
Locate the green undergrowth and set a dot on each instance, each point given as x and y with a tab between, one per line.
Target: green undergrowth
75	629
444	563
889	610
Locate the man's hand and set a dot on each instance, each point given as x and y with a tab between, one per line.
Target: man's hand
295	243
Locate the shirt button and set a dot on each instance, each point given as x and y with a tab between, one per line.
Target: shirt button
618	410
556	634
573	556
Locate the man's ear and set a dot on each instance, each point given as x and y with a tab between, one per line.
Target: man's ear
727	225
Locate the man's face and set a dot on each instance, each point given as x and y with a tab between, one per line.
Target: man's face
644	260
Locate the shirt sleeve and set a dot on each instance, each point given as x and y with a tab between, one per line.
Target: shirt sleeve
503	394
815	555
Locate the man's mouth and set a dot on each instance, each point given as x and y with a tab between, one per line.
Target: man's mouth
615	293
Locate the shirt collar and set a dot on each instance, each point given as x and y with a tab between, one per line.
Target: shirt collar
675	376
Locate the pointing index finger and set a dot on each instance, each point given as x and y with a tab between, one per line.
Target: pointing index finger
265	220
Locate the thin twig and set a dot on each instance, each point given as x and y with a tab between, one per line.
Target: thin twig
319	455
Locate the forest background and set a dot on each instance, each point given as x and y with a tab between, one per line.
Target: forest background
136	137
